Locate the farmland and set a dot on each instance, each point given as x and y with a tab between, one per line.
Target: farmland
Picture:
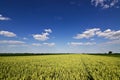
60	67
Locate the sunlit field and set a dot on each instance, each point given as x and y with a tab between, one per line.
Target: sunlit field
60	67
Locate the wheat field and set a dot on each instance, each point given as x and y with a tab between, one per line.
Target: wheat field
60	67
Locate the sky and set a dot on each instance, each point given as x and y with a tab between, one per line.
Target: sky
59	26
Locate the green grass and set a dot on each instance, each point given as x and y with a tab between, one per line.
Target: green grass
60	67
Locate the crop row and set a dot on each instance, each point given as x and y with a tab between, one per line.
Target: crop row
102	67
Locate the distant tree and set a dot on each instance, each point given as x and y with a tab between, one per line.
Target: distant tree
110	52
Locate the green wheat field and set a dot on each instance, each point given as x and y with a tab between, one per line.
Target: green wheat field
60	67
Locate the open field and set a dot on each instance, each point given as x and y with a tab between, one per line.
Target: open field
60	67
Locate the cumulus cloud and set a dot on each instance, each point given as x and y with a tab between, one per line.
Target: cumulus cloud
11	42
87	34
81	43
48	30
105	3
49	44
7	34
36	44
43	36
110	34
2	18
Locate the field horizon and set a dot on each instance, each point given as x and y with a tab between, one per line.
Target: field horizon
56	54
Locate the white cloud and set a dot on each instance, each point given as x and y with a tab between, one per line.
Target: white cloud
97	2
48	30
105	3
7	34
2	18
114	2
11	42
36	44
106	6
49	44
81	43
17	45
110	34
113	42
87	34
43	44
43	36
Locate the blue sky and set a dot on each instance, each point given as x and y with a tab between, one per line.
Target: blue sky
59	26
